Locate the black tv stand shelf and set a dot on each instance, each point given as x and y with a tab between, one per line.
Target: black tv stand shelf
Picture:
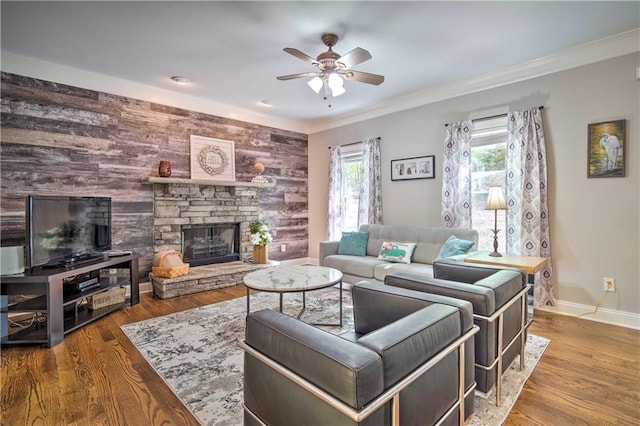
62	306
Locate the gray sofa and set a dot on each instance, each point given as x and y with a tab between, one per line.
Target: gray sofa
295	373
429	241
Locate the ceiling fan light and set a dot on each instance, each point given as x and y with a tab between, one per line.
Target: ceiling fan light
316	84
335	81
337	91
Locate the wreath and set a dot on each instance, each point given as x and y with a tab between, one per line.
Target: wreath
213	160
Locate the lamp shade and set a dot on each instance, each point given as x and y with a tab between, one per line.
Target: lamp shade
495	199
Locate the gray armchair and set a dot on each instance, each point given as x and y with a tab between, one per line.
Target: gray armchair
499	299
404	363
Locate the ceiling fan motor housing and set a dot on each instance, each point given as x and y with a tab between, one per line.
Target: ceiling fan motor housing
328	59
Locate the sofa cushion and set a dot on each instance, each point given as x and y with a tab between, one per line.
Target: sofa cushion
383	268
396	252
454	246
361	266
353	243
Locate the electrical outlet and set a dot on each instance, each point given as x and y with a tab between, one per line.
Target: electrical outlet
283	248
609	284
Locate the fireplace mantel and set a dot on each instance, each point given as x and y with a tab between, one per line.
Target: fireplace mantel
184	181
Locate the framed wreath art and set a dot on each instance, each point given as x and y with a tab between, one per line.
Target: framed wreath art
212	159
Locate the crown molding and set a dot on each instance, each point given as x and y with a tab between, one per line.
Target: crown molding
609	47
35	68
606	48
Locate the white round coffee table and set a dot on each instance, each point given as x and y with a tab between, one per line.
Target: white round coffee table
294	279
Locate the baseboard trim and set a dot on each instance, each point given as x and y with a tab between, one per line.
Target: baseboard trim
603	315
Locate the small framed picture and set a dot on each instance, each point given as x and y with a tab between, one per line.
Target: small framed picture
606	148
414	168
212	159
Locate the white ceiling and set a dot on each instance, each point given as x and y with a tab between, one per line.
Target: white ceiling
232	51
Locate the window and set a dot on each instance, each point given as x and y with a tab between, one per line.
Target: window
352	168
488	168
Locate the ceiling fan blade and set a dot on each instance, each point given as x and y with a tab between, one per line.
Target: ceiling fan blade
353	58
303	56
299	75
364	77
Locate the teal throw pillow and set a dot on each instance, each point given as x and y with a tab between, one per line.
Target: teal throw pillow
353	243
454	246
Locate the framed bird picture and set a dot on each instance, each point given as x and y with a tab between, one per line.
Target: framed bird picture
606	149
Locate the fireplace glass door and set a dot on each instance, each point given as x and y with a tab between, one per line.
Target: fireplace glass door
207	244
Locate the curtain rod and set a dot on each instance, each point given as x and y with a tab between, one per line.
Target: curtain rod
352	143
541	107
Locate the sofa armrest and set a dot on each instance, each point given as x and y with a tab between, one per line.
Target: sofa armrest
413	340
344	369
327	248
481	297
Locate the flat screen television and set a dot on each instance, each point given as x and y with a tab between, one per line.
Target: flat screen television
63	230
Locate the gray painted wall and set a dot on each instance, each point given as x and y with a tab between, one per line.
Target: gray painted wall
595	223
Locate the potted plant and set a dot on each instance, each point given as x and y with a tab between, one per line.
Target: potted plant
259	237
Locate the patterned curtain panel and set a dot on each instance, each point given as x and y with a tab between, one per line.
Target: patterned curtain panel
456	177
370	210
335	194
526	191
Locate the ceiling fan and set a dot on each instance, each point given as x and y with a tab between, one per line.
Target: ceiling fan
333	68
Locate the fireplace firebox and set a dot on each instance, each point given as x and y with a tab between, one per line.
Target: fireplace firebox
211	243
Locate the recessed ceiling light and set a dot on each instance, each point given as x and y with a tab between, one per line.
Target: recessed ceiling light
181	80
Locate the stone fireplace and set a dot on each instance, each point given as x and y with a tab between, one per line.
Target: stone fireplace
208	222
197	204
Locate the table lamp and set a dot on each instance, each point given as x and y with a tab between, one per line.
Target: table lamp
495	202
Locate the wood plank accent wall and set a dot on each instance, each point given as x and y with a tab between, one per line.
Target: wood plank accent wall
64	140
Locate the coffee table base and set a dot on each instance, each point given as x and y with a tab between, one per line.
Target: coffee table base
304	307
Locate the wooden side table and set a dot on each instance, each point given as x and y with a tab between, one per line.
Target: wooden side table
529	264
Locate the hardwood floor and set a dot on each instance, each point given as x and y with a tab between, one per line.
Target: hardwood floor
589	374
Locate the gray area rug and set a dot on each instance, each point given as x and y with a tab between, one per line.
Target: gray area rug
197	355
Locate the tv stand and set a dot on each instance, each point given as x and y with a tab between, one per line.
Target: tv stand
52	294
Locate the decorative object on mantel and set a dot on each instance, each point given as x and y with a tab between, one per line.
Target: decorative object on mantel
414	168
606	149
259	169
495	201
212	159
168	264
260	237
164	169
